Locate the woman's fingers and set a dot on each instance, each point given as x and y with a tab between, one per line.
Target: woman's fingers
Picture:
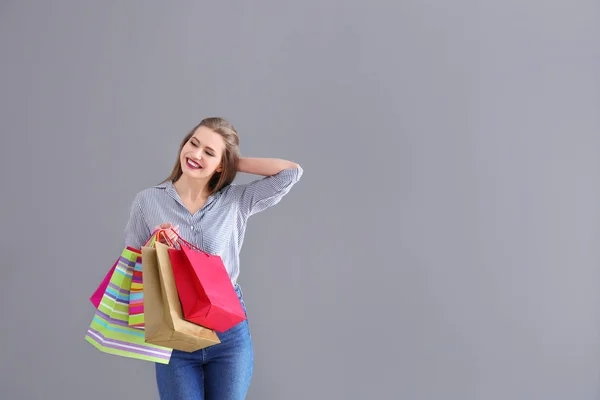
173	233
166	229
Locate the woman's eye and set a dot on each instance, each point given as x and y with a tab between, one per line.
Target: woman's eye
194	144
210	154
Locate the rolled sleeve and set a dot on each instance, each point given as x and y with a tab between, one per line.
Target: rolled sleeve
266	192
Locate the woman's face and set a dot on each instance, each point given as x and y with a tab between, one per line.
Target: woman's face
201	156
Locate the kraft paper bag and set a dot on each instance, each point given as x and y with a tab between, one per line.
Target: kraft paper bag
164	323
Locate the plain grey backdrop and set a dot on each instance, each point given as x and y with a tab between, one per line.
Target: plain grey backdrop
442	243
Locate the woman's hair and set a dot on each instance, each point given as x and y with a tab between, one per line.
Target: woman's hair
229	160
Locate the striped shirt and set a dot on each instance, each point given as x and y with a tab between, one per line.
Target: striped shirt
219	226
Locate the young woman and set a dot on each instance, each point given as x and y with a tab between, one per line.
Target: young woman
200	202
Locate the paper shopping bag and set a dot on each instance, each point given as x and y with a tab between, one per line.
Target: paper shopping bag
109	331
165	325
207	295
97	295
136	298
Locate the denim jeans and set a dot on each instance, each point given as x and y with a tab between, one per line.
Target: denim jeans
219	372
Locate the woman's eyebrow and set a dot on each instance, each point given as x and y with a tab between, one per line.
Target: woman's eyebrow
196	139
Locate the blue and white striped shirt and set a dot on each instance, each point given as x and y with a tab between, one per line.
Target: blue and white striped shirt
219	226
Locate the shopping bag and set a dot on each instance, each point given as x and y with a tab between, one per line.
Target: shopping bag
109	331
97	295
207	295
165	325
136	297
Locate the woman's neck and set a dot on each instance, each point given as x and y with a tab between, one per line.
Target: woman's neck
191	189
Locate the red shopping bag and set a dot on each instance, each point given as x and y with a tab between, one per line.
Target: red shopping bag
206	293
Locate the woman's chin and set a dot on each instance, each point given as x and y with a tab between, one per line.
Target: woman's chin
195	174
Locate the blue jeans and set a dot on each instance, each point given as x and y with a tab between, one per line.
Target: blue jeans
219	372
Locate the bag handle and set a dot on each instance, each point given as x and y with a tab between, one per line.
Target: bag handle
181	241
155	236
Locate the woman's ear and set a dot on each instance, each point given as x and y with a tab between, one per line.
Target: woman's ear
219	168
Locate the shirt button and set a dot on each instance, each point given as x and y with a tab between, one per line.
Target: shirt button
192	227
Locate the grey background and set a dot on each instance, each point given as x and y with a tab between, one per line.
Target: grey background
442	244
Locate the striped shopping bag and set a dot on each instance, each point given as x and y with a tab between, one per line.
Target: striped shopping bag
109	330
136	297
99	292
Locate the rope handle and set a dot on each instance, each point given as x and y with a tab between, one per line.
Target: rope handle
181	241
171	243
156	236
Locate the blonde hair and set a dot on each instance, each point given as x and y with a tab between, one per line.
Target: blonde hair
230	158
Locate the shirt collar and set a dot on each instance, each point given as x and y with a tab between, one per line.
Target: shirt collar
171	191
164	185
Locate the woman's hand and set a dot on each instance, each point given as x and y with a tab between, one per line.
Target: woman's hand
169	230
